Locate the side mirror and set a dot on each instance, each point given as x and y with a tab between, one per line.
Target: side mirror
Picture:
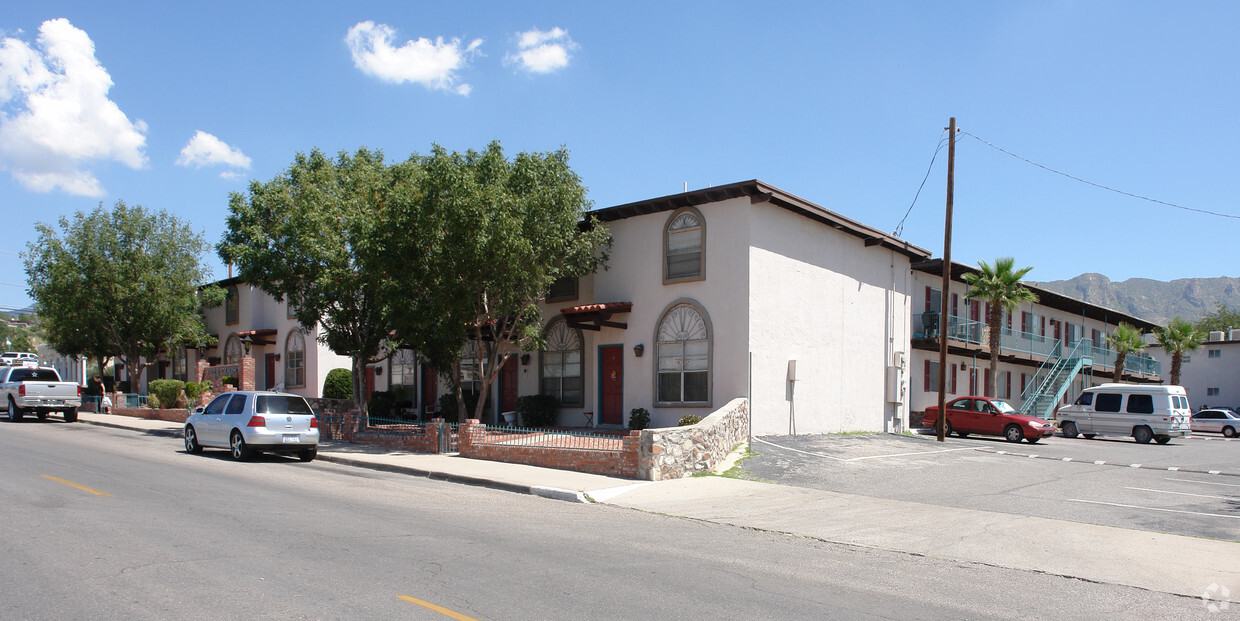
198	410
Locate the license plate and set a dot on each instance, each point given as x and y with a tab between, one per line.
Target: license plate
292	438
56	401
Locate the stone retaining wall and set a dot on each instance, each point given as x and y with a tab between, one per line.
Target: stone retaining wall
678	452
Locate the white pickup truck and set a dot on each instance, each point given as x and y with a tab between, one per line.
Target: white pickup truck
39	390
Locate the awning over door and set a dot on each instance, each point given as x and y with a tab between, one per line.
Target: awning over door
596	316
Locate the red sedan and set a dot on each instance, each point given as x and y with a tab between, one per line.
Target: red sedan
988	417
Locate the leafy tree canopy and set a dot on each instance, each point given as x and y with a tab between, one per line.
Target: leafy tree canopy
1223	318
121	282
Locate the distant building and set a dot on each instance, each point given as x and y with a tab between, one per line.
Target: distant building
1210	373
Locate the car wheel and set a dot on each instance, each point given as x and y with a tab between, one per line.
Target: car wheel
1069	430
1229	432
191	440
15	413
308	455
1012	433
1032	440
947	428
1089	436
240	451
71	415
1162	439
1142	435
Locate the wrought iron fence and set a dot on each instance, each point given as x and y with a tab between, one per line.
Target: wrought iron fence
449	438
550	438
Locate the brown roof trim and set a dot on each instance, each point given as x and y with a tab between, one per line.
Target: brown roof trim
596	316
1047	298
759	192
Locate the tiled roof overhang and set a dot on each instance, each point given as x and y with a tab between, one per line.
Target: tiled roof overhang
759	192
596	316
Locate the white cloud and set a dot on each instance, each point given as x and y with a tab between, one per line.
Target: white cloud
433	64
207	150
55	116
542	51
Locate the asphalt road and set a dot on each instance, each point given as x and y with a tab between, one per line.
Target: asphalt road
111	524
1057	478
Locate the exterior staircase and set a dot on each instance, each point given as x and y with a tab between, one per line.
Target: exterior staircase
1053	379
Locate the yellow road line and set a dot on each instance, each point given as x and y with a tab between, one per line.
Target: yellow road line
439	609
81	487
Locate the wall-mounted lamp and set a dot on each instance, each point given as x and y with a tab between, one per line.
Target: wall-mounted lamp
638	349
378	371
277	357
525	359
964	366
247	342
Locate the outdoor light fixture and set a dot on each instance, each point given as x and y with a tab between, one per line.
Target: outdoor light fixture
964	366
525	359
378	370
247	342
638	349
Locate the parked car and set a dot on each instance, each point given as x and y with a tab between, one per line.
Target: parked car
988	417
1143	412
15	357
249	422
1221	421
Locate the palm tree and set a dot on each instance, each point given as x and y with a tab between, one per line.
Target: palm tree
1001	287
1126	339
1178	337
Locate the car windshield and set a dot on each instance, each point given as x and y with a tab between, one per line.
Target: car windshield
280	404
1003	407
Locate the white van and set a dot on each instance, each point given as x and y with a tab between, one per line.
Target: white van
1144	413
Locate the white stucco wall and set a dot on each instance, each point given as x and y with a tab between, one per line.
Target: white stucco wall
840	310
1201	372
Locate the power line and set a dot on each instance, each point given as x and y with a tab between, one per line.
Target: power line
900	226
1099	185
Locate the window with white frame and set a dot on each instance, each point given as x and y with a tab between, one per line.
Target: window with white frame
684	246
471	373
180	364
683	343
295	360
403	366
560	369
232	350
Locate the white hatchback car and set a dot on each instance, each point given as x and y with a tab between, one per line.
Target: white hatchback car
248	422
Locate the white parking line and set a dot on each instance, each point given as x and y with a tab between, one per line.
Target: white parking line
1205	482
1116	504
1163	491
841	459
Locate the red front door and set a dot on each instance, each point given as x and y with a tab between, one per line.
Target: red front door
611	400
508	385
430	388
269	381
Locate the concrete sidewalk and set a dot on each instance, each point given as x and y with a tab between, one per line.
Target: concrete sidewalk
1165	563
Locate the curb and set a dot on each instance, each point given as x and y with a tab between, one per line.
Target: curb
1109	463
167	433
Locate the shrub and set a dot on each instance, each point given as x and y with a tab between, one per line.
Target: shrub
639	418
338	385
193	390
689	419
152	401
382	404
538	410
165	391
448	410
230	380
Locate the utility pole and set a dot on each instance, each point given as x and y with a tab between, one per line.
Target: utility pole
947	280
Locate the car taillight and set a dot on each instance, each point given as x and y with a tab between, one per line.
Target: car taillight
257	421
314	422
79	391
21	390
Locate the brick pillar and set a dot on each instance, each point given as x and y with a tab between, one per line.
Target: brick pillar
433	430
630	459
465	432
246	371
200	368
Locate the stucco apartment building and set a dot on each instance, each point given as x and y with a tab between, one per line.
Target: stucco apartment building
1054	330
1210	373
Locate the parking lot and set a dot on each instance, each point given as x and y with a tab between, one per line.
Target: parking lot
1190	486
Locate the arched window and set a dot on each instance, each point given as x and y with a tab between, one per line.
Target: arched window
295	360
684	247
232	350
403	371
232	306
560	368
471	374
684	352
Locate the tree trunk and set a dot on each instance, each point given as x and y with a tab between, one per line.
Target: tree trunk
1176	359
359	384
995	321
1119	366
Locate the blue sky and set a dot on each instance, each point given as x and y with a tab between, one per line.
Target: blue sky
174	105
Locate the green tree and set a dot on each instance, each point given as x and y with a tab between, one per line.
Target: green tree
313	235
1222	319
1178	337
1126	339
482	238
1000	286
120	282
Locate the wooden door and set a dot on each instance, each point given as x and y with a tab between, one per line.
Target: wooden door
269	380
430	388
508	385
611	385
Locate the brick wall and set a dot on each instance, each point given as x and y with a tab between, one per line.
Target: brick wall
621	463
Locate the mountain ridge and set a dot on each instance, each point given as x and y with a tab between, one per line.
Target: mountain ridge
1157	301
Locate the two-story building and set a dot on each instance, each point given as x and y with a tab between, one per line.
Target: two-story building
1210	373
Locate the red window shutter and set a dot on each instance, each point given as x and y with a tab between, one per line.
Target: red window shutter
1008	385
1022	383
956	304
1009	321
928	309
953	390
1024	321
1042	328
986	384
927	384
